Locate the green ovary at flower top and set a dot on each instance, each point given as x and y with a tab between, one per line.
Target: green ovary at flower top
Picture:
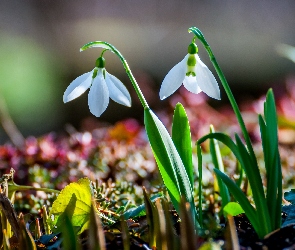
193	73
102	87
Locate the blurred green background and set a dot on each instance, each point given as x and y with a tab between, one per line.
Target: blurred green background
40	41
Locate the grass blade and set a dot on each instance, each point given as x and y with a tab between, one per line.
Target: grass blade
26	239
152	219
188	234
125	234
96	234
172	239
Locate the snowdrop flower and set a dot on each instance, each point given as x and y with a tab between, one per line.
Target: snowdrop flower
194	75
102	87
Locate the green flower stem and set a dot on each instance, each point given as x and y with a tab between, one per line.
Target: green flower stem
110	47
227	89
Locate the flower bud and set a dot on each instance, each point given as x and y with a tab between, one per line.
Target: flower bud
192	49
100	62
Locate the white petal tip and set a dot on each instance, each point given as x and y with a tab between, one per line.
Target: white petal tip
95	112
65	99
124	101
127	104
217	96
163	95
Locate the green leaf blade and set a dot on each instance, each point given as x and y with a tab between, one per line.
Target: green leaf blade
74	201
169	162
269	135
181	137
243	201
233	209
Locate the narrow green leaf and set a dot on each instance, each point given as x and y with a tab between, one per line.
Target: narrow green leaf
45	220
272	126
271	120
181	136
265	142
200	174
96	238
218	163
254	177
26	240
125	234
225	139
269	135
188	234
169	162
241	172
271	190
161	232
251	169
243	201
152	219
278	217
69	235
139	210
233	209
172	241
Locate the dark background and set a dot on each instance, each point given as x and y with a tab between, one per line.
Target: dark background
40	41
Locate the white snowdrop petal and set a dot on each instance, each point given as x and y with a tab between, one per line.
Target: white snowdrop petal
78	87
173	79
118	92
190	83
206	80
98	97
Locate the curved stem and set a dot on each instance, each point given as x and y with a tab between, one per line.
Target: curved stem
110	47
227	89
31	188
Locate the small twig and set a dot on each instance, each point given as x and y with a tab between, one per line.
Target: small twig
9	126
233	240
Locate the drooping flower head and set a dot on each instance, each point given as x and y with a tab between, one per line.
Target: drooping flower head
193	74
102	86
